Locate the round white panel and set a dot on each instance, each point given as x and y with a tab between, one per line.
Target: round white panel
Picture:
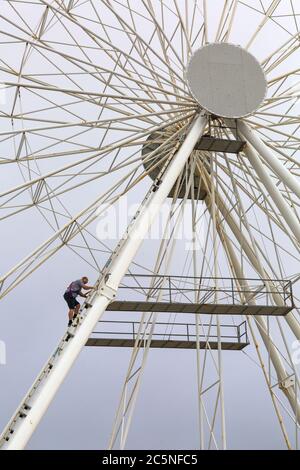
226	80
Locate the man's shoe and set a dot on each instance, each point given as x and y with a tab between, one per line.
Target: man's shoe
69	322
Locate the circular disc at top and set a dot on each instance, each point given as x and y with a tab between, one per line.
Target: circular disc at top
226	80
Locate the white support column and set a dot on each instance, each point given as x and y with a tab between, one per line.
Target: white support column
251	136
282	374
119	267
145	218
238	272
27	425
274	192
290	319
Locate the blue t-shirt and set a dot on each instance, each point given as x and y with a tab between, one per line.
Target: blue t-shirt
75	288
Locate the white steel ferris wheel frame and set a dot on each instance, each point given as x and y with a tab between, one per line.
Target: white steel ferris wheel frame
263	160
107	289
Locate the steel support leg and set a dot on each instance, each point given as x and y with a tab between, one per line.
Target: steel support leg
118	268
274	192
250	135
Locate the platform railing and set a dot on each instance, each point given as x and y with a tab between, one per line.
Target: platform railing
206	289
179	331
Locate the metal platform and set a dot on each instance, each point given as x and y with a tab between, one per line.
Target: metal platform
178	294
217	139
166	344
214	144
211	296
179	336
209	309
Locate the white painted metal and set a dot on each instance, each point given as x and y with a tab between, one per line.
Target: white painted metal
40	401
261	324
131	88
133	377
226	80
274	192
255	262
213	189
275	164
282	374
144	220
262	327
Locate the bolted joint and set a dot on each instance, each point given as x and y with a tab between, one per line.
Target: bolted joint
156	185
287	383
108	291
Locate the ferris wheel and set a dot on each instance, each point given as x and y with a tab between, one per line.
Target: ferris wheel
186	107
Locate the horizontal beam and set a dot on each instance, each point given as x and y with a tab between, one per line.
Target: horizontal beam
209	309
166	344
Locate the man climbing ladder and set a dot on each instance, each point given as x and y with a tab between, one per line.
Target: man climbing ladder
75	289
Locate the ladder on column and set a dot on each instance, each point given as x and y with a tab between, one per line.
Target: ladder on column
49	366
38	398
29	399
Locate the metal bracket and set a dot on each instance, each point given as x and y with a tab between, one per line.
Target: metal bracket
287	383
108	291
156	185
